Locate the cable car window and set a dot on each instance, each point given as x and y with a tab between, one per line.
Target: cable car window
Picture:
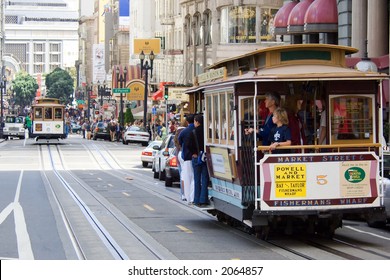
38	113
231	118
224	125
58	113
209	118
48	113
216	117
352	119
247	112
219	118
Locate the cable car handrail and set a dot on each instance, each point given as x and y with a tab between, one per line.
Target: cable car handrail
316	148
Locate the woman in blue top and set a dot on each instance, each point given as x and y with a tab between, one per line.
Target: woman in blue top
280	135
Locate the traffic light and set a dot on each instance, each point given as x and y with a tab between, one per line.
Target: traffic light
166	93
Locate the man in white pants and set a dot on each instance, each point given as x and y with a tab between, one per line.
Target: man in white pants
187	170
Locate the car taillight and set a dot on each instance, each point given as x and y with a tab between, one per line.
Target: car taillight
173	162
147	154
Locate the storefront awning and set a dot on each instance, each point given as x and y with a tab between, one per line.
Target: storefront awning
158	95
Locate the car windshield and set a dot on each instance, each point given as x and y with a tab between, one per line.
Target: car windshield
154	143
136	128
10	119
171	143
101	125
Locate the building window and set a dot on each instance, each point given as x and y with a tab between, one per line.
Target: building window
238	24
267	24
54	58
38	68
55	48
38	58
197	27
187	28
19	50
54	66
39	47
207	28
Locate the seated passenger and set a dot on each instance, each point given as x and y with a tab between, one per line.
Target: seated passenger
280	135
48	113
58	113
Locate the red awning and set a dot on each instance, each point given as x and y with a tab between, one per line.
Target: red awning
158	95
281	18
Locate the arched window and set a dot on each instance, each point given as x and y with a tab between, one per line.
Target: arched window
187	30
197	27
207	28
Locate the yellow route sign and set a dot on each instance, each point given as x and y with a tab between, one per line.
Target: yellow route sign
290	181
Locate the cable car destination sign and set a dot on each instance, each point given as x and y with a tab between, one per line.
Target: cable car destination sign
211	75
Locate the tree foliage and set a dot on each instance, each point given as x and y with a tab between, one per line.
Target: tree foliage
129	118
59	84
25	88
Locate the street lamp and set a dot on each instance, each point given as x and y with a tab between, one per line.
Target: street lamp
121	78
88	89
146	67
102	91
3	87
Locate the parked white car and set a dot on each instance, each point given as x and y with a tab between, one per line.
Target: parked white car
14	127
149	153
136	134
161	156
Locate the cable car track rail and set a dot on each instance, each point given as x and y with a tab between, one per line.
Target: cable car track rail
319	245
107	239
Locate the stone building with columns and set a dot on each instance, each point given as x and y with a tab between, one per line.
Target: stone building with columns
214	30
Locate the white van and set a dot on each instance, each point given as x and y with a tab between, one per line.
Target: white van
13	127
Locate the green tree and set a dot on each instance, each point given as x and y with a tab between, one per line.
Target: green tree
25	88
59	84
129	118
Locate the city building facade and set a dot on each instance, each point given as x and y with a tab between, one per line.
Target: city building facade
40	36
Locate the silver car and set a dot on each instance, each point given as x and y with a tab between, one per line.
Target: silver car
136	134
